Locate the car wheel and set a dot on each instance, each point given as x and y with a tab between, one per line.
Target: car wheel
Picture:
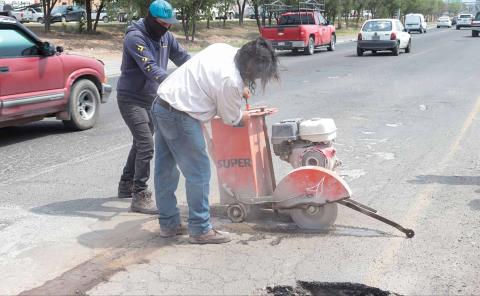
409	46
64	19
83	106
395	50
474	33
40	20
438	27
310	49
105	19
359	52
333	41
458	28
374	52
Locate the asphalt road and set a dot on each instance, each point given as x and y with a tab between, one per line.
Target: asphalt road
408	139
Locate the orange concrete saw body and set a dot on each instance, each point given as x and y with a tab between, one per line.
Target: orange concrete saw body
246	178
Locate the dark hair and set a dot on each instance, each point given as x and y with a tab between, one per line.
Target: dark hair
257	60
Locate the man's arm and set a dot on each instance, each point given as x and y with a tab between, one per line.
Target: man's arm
136	46
178	54
229	104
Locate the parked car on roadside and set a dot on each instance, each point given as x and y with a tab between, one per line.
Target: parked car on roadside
444	21
37	15
68	13
38	81
22	15
301	29
103	16
415	22
464	20
476	25
6	9
383	34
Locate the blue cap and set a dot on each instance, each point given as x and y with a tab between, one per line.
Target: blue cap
162	10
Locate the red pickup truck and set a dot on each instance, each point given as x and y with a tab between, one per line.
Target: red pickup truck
38	81
301	29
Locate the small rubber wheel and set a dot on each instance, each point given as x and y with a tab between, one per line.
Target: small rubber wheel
236	213
410	233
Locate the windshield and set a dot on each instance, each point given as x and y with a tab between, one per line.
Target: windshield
56	10
377	26
296	19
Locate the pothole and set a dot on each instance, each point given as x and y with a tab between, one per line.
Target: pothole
327	289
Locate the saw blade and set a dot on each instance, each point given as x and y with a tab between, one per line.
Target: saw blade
315	217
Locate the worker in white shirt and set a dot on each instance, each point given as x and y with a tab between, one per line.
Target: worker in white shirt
212	83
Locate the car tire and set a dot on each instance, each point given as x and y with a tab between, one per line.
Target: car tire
458	28
83	106
40	20
409	46
474	33
64	19
359	52
310	49
438	27
105	19
333	41
395	50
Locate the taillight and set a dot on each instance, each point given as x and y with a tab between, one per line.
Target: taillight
359	36
393	36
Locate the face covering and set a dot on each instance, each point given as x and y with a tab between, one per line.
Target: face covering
155	30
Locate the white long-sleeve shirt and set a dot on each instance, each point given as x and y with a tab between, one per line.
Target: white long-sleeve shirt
208	84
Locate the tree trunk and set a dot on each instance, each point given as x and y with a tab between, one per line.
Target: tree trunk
241	11
88	9
100	8
257	18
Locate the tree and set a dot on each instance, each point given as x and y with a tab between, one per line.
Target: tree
47	8
241	10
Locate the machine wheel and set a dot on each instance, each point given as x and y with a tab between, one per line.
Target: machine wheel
310	49
315	218
236	213
359	52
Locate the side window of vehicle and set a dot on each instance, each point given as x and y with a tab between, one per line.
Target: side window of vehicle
14	43
323	21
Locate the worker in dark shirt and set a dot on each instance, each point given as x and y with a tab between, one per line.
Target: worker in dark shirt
148	46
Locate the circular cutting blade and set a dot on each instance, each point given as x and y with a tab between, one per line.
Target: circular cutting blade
315	217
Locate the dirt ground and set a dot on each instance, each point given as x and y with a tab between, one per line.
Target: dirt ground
107	42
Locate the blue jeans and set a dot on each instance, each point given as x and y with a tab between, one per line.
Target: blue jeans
179	141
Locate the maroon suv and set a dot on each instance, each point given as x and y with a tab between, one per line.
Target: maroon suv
37	80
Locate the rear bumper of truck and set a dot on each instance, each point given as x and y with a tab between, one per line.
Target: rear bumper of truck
286	45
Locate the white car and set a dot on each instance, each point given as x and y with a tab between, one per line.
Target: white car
22	15
37	15
464	20
415	22
444	21
103	16
383	34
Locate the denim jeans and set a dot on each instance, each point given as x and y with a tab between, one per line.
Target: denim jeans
137	168
179	141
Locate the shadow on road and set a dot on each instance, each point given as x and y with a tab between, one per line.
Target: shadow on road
449	180
17	134
98	208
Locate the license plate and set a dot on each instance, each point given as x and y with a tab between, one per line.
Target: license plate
281	43
375	37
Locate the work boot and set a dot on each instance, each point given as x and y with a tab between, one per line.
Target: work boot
211	237
180	229
142	203
125	189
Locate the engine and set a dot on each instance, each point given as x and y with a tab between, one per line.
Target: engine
306	142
